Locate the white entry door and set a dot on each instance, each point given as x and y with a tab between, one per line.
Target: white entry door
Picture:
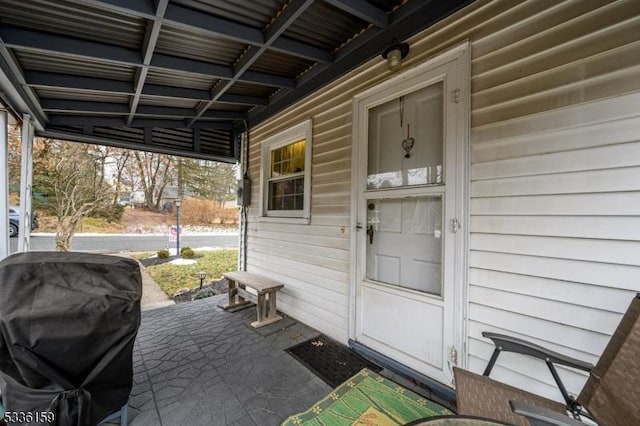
409	170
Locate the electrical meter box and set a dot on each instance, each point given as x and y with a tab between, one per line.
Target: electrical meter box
243	193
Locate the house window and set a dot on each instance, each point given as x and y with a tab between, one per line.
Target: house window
286	174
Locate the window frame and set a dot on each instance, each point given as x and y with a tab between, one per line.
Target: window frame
291	135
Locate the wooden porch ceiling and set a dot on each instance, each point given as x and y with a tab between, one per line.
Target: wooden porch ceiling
185	76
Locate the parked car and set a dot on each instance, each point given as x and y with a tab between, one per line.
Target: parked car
14	221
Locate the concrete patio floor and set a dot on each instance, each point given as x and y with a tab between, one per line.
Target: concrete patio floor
196	364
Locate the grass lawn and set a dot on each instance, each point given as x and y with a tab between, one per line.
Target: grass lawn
172	278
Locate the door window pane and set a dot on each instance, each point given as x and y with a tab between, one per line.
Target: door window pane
404	242
406	140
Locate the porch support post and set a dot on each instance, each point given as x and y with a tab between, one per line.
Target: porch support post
26	180
4	186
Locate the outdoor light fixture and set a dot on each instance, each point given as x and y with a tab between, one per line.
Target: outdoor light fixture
202	275
394	54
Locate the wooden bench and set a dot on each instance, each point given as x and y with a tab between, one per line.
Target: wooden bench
245	287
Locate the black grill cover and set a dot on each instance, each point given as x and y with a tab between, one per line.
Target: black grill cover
67	326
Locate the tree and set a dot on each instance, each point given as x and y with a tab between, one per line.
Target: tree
73	178
14	155
209	179
119	158
154	172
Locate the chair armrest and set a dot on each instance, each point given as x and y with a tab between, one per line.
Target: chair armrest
513	344
539	416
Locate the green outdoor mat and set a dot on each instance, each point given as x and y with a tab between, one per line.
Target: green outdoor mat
367	399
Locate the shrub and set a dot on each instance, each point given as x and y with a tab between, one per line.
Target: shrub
187	253
205	292
163	254
196	211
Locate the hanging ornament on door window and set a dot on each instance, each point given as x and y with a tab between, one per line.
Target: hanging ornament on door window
407	144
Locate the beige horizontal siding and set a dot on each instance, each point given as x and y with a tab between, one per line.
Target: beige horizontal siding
611	228
585	249
590	296
554	190
593	181
575	160
603	204
609	275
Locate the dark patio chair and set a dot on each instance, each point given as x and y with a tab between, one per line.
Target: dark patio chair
611	395
68	322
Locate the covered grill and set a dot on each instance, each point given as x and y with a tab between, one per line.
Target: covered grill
68	322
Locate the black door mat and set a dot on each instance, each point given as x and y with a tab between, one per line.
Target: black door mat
331	361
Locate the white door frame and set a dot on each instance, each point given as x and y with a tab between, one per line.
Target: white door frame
461	97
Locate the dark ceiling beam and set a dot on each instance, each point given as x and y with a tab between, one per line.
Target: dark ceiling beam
83	107
103	108
141	146
93	121
209	25
232	98
66	82
361	42
409	19
363	10
288	16
266	79
292	47
163	62
166	62
73	82
284	20
224	115
164	111
172	92
140	8
161	91
188	113
191	19
149	45
22	39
